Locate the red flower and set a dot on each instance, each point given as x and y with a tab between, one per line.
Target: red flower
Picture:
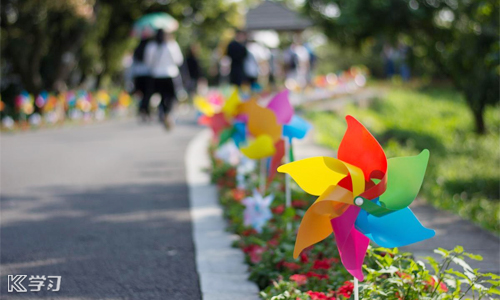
432	283
303	257
299	203
291	266
299	279
278	210
248	232
347	289
238	194
322	264
403	275
231	172
314	274
255	252
319	296
273	242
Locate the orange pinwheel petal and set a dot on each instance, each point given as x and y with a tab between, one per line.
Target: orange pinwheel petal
315	225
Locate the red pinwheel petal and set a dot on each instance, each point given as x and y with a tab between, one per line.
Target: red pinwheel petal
276	160
361	149
218	122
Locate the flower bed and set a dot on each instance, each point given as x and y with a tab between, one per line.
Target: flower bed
318	273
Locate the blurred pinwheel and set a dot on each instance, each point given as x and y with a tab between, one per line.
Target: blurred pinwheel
362	196
257	211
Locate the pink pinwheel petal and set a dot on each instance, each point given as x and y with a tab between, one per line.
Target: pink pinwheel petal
351	243
353	252
281	107
342	225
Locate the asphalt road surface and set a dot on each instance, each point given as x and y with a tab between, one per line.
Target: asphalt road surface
105	206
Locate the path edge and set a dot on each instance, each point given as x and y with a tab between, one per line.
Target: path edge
221	268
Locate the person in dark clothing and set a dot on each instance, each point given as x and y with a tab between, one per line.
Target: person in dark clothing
237	51
143	82
193	69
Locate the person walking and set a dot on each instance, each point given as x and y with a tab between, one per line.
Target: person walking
164	57
193	69
237	51
143	82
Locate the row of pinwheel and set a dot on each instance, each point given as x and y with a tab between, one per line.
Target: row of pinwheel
55	107
362	195
255	129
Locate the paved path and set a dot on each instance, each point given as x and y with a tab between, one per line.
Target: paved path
105	206
451	230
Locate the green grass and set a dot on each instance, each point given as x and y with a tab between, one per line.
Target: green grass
464	169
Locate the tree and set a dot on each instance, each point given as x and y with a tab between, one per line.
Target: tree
39	38
459	37
44	42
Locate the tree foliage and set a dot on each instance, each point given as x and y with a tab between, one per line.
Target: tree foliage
51	44
459	37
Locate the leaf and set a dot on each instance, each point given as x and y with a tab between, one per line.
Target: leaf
473	256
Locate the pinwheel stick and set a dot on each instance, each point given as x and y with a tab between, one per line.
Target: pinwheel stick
356	288
262	184
288	192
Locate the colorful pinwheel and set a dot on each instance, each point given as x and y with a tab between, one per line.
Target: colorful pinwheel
362	197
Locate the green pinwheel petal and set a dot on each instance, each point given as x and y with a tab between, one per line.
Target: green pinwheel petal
225	135
404	179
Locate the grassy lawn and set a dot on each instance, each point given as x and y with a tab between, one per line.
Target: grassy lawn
464	169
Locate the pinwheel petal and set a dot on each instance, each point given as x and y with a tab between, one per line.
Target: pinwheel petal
230	108
239	133
313	229
400	228
404	179
351	243
297	128
281	107
261	147
276	160
218	122
204	106
315	174
360	148
315	225
263	121
225	135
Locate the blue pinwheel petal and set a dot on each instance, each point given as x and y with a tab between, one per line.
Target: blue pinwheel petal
239	133
397	229
297	128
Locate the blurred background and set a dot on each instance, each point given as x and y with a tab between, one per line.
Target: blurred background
432	65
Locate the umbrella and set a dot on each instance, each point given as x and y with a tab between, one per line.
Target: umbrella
149	23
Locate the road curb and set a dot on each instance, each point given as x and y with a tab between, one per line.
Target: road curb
221	268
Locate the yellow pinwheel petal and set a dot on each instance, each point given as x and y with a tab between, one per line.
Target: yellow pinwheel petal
230	108
261	147
204	106
316	174
315	225
357	177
